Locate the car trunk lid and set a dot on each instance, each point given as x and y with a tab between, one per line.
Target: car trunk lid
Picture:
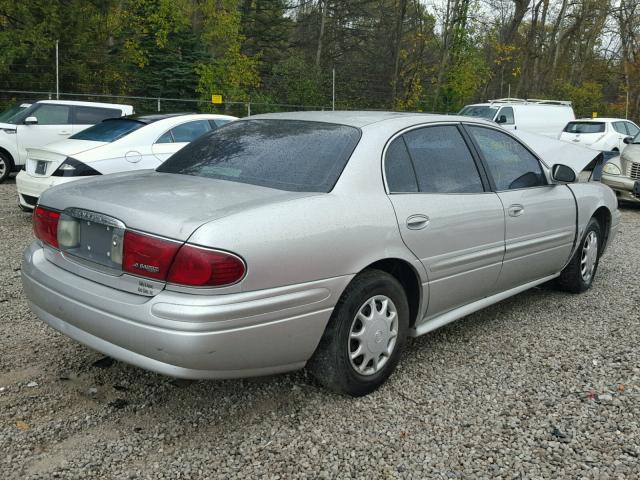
42	162
165	205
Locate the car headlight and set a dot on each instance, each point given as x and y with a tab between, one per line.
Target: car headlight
74	168
611	169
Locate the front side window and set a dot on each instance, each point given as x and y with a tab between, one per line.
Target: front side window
293	155
188	132
507	113
50	114
510	164
401	178
620	127
632	129
108	130
93	115
442	161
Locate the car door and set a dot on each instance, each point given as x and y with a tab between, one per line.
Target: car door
540	218
446	215
54	124
177	137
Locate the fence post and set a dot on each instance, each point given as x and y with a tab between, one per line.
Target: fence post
248	109
49	95
158	103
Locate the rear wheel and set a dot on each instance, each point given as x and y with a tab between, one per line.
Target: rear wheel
365	336
578	275
5	166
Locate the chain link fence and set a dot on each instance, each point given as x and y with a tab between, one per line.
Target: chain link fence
144	105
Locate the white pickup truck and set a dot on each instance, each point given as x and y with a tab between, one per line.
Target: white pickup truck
48	121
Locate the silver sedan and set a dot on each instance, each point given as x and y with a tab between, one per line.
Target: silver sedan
322	239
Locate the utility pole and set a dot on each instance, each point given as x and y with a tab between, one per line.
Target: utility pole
626	107
57	74
333	90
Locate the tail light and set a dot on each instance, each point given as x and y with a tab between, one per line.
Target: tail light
147	256
202	267
45	225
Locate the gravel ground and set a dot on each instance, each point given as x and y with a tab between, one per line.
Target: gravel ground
543	385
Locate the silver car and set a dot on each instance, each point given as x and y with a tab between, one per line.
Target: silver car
622	173
322	239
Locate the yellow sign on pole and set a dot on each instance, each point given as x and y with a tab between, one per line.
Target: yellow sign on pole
216	99
594	114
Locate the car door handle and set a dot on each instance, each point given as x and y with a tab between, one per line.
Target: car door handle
64	132
417	222
516	210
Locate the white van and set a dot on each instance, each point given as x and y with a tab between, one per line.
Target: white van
544	117
48	121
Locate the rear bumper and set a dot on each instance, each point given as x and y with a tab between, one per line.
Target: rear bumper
30	188
183	335
625	188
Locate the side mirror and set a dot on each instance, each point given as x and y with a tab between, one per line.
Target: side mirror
628	140
31	121
502	119
562	173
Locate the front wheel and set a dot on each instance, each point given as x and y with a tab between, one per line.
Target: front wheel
578	275
365	336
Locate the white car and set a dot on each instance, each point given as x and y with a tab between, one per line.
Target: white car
45	122
114	145
544	117
605	134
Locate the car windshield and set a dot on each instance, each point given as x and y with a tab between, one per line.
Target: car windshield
108	130
9	113
584	127
479	111
293	155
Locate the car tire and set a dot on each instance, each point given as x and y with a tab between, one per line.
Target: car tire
355	327
6	165
578	275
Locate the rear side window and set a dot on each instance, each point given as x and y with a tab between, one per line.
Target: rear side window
292	155
442	161
398	169
51	114
585	127
218	122
510	163
93	115
108	131
187	132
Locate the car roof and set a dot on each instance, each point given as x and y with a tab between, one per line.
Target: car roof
601	119
355	118
85	104
156	117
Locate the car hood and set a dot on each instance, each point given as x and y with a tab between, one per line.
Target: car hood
631	152
552	151
165	204
67	148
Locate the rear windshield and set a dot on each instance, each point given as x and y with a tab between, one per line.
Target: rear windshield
584	127
108	130
479	111
292	155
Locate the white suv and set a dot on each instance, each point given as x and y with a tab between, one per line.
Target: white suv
605	134
48	121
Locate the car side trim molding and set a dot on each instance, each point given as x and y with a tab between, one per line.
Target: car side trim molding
441	320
